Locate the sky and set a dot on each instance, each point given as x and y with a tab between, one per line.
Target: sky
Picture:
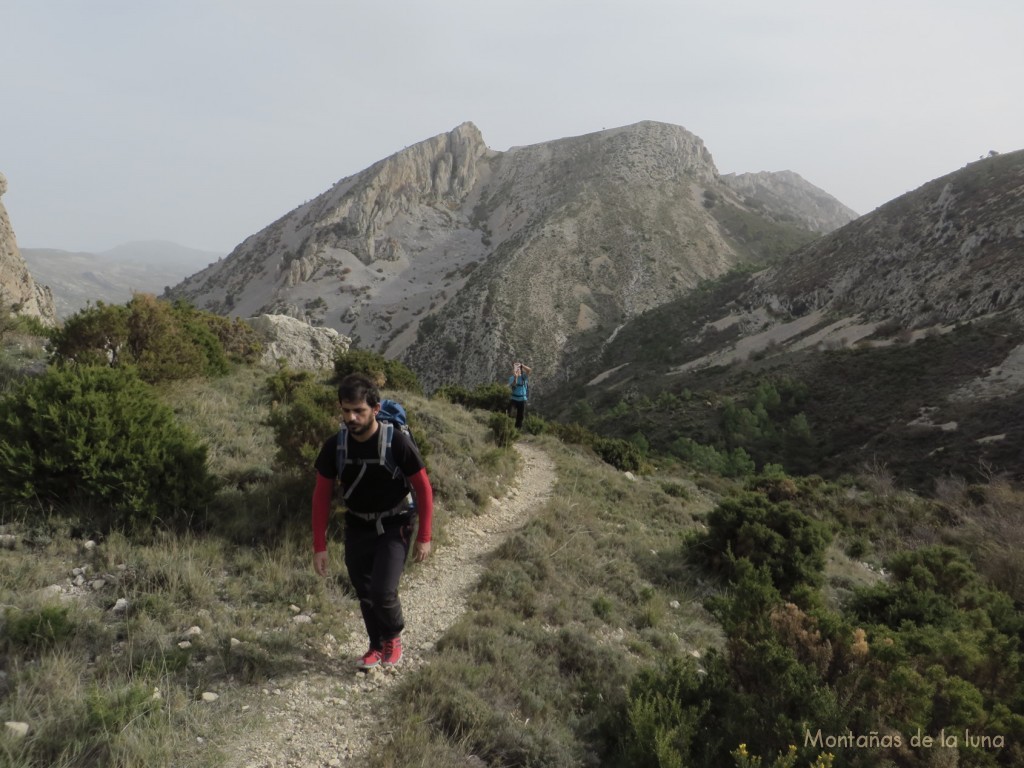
202	121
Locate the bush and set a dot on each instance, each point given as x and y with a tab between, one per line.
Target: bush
573	433
759	692
734	463
33	630
621	454
534	425
164	341
503	427
775	535
386	373
489	397
304	416
98	437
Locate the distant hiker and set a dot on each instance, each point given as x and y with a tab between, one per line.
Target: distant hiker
379	512
519	382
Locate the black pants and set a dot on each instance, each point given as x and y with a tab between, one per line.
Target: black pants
375	563
519	408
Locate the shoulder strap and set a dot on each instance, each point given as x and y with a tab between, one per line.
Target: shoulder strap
385	457
342	448
385	432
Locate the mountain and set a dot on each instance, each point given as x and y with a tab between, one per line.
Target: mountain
896	340
18	289
78	278
455	257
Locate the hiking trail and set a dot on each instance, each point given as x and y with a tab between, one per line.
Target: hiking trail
329	715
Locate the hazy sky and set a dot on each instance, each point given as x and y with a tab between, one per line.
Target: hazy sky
202	121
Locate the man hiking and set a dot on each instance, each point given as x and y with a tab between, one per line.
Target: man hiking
379	515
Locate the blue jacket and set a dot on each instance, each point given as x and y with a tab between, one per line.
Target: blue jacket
520	387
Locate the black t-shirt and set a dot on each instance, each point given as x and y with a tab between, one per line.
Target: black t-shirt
377	491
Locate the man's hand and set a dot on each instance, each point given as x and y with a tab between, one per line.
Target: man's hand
420	551
320	563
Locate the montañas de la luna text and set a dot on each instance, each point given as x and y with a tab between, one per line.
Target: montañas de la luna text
874	740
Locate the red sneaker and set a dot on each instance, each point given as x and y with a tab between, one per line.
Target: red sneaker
370	659
392	652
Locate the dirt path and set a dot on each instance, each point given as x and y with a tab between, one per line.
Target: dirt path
328	718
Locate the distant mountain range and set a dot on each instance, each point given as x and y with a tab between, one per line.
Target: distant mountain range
77	278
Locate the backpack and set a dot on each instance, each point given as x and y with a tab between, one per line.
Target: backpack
390	417
521	386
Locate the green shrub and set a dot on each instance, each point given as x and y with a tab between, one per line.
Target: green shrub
761	692
621	454
573	433
93	336
503	427
98	437
304	417
164	341
239	340
164	348
33	630
110	711
387	373
534	425
664	715
776	535
728	463
285	382
488	397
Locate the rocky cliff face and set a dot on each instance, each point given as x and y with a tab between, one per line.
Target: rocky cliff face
18	291
455	257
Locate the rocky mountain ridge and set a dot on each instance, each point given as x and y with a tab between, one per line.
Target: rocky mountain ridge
455	257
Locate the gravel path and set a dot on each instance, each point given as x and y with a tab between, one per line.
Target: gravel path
330	717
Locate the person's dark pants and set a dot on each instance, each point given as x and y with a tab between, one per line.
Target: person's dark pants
519	408
375	563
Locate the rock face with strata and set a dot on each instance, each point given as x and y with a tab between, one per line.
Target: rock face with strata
454	257
18	291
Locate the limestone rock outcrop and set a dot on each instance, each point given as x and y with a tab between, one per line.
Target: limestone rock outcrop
299	344
19	292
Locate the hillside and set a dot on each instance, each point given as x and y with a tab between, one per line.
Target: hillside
571	613
898	335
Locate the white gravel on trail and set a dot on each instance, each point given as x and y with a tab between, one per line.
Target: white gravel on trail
326	718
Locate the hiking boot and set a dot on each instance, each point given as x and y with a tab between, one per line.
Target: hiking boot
370	659
392	652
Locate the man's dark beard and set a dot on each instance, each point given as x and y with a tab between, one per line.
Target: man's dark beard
355	429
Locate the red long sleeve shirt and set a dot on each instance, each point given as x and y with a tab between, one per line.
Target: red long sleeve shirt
324	491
